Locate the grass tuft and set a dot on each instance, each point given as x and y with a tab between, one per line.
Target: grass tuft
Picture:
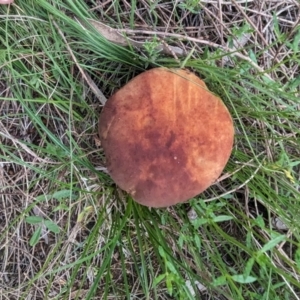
67	232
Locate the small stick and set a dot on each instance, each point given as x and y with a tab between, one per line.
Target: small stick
235	189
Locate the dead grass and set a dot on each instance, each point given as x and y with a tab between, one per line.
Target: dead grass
48	136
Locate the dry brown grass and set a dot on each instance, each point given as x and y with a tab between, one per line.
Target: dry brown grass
29	169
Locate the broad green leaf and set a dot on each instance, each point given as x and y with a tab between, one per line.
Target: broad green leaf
59	195
161	251
181	239
62	206
198	222
197	241
52	226
260	221
249	266
221	280
35	237
222	218
41	198
252	56
171	267
243	278
271	244
34	219
158	279
169	285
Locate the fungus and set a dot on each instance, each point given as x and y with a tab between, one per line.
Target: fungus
165	136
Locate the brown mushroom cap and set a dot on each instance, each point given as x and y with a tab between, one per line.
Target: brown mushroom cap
166	137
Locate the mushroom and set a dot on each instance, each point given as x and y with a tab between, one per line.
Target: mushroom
165	136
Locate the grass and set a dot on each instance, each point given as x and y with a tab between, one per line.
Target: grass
67	232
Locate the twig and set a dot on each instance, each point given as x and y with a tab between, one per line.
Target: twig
237	188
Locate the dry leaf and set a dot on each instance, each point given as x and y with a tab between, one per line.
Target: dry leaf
109	33
114	36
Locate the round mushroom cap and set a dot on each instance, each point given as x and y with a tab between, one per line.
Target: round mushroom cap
165	136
